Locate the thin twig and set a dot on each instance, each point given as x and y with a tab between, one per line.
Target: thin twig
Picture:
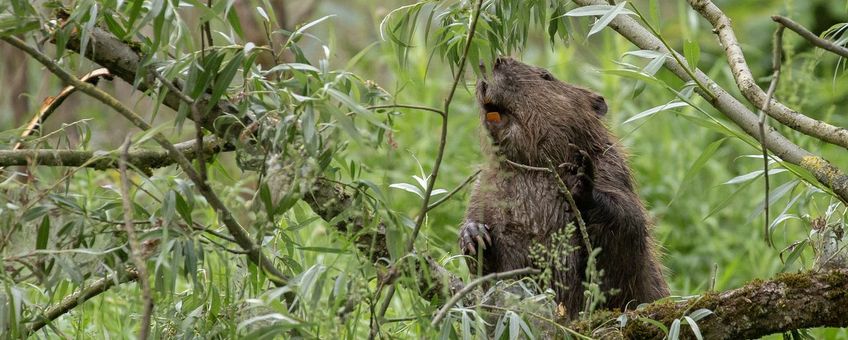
809	36
406	106
438	161
473	284
584	232
244	239
135	247
777	55
454	191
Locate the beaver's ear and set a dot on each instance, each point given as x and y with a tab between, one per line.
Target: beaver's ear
599	105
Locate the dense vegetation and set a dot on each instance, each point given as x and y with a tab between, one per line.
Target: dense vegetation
303	219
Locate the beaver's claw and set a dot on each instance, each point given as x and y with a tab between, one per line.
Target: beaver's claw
580	175
473	235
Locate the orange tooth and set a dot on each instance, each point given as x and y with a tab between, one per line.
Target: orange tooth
493	116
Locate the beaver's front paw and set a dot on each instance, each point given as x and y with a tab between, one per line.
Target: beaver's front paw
580	177
473	235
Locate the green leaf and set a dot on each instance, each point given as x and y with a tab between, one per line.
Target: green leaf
294	66
674	331
183	208
699	163
43	233
408	187
607	18
692	52
595	10
223	79
324	250
794	255
700	314
635	75
694	326
752	175
649	112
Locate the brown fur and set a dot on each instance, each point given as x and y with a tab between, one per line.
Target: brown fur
512	208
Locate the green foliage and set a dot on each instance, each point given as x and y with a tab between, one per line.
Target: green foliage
700	176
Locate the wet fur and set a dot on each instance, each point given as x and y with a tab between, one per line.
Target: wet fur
548	119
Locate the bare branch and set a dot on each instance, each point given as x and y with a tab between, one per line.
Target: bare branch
776	56
135	247
809	36
749	88
142	159
825	172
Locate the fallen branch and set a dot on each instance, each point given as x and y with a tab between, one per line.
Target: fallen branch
141	159
760	308
809	36
749	88
81	296
825	172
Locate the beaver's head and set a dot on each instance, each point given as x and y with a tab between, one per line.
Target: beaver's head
531	116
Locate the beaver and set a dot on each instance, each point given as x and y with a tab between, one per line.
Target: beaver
534	123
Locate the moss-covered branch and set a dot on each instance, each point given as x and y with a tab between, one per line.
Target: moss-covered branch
788	302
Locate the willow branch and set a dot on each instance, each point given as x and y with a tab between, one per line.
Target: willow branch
431	182
239	233
134	245
749	88
809	36
826	173
776	56
142	159
81	296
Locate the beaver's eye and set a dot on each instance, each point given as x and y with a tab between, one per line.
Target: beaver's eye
547	76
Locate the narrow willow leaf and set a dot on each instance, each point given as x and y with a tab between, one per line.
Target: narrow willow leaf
794	255
653	110
408	187
674	330
607	18
699	163
223	79
751	175
595	10
692	52
694	326
43	233
700	314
